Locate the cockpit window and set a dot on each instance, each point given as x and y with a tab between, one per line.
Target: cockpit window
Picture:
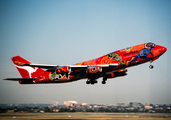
148	45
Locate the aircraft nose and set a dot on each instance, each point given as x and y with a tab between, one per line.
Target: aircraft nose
163	49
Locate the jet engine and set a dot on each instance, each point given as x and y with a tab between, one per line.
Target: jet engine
64	69
117	74
94	69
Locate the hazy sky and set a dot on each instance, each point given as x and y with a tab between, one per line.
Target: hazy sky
65	32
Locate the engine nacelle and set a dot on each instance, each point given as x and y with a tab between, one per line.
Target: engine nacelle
94	69
64	69
117	74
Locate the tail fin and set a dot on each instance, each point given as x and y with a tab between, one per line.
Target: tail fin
26	71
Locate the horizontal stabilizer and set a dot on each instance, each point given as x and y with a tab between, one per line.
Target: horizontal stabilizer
49	67
20	79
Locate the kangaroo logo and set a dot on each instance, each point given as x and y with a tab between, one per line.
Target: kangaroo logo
30	70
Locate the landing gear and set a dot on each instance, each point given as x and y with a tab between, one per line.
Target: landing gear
104	80
151	66
95	81
91	81
87	82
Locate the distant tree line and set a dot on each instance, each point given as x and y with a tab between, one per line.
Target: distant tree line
70	109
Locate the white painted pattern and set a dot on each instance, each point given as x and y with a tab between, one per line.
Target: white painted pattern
30	70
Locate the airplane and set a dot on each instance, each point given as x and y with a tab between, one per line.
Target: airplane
108	66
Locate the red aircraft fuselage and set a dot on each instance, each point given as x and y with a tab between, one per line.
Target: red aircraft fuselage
108	66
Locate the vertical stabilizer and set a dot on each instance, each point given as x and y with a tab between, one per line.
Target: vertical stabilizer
26	71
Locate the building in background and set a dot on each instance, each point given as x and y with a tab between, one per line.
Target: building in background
70	103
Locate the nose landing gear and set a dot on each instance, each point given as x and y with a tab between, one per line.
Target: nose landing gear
151	66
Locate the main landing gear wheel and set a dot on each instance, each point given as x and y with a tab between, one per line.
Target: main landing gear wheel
87	82
91	82
95	81
103	82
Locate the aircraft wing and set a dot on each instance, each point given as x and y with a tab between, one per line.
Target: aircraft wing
20	79
84	67
73	67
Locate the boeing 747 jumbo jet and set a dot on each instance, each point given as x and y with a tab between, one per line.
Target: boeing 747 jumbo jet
108	66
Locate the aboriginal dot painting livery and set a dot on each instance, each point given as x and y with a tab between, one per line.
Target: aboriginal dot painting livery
108	66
